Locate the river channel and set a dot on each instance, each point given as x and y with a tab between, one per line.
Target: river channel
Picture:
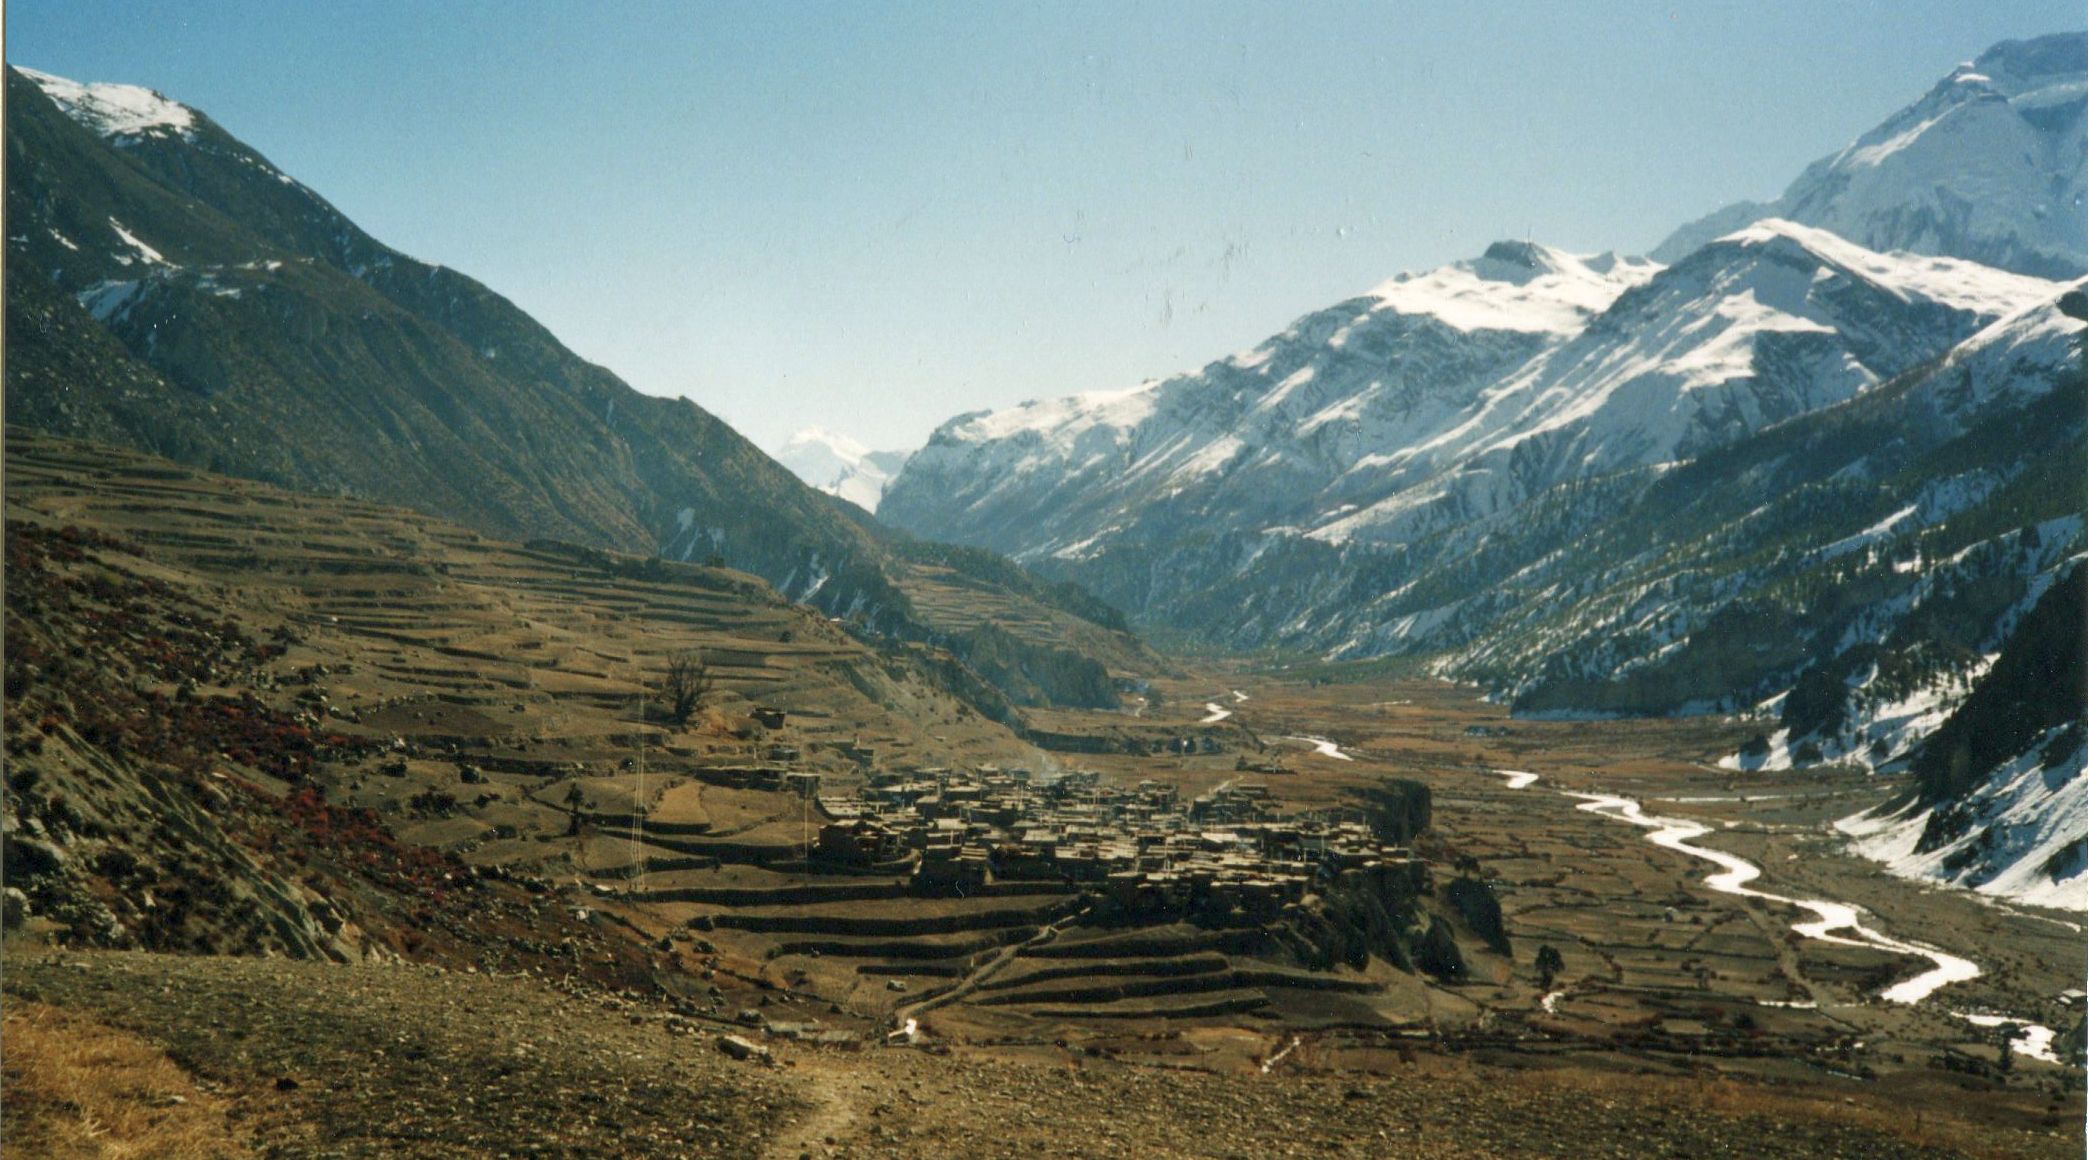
1835	922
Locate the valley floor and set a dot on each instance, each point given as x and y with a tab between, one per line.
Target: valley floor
244	721
1666	1033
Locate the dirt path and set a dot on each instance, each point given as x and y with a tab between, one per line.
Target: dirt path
906	1013
836	1095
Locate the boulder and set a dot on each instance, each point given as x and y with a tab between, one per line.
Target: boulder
14	908
32	857
739	1047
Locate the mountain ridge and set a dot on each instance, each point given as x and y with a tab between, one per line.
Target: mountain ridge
192	300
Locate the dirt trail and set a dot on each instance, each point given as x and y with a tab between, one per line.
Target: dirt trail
905	1013
836	1095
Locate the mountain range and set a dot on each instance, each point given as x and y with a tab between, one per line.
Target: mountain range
1812	461
171	290
1818	461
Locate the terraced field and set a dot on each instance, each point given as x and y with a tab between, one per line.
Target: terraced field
498	702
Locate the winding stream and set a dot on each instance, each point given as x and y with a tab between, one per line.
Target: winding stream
1830	918
1735	872
1323	747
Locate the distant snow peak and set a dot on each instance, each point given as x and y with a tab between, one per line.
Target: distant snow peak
840	465
1985	166
1519	286
112	110
1071	416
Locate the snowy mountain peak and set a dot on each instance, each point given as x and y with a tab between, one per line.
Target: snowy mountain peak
1529	255
840	465
811	440
1985	166
112	110
1519	286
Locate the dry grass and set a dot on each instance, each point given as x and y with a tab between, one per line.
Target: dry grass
78	1088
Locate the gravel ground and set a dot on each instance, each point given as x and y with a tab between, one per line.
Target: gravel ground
920	1106
322	1060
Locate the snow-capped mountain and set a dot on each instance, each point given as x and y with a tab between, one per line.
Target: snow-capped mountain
1430	410
1785	475
1257	439
1991	165
840	466
1757	327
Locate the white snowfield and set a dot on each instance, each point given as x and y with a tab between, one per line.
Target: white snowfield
1517	286
2016	356
115	110
1766	323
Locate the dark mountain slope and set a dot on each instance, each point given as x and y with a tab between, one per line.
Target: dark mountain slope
2039	683
172	290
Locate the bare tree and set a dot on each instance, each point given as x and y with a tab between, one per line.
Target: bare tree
688	683
1549	963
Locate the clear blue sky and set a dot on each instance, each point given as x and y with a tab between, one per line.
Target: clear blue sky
873	217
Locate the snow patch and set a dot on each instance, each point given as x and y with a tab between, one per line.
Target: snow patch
145	253
105	300
112	110
840	466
